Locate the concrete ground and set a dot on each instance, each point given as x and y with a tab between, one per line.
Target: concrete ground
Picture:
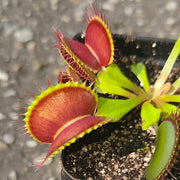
27	57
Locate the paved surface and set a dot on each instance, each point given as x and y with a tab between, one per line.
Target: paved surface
27	55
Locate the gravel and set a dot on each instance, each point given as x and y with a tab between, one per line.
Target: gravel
3	76
27	55
171	5
23	35
2	116
3	147
31	143
9	92
8	138
12	175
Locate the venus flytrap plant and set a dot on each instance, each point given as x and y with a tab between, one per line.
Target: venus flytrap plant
61	114
167	148
154	99
65	112
86	59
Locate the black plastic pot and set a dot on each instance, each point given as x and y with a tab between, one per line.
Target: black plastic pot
143	48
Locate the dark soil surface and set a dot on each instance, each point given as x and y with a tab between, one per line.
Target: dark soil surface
116	151
27	57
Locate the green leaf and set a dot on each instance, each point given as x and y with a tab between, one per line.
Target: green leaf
113	77
116	108
165	148
170	98
140	71
166	107
167	67
107	87
149	114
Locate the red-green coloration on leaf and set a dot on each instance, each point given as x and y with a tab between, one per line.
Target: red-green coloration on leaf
97	51
98	38
167	148
61	114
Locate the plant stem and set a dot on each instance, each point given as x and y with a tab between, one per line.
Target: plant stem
175	86
167	67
